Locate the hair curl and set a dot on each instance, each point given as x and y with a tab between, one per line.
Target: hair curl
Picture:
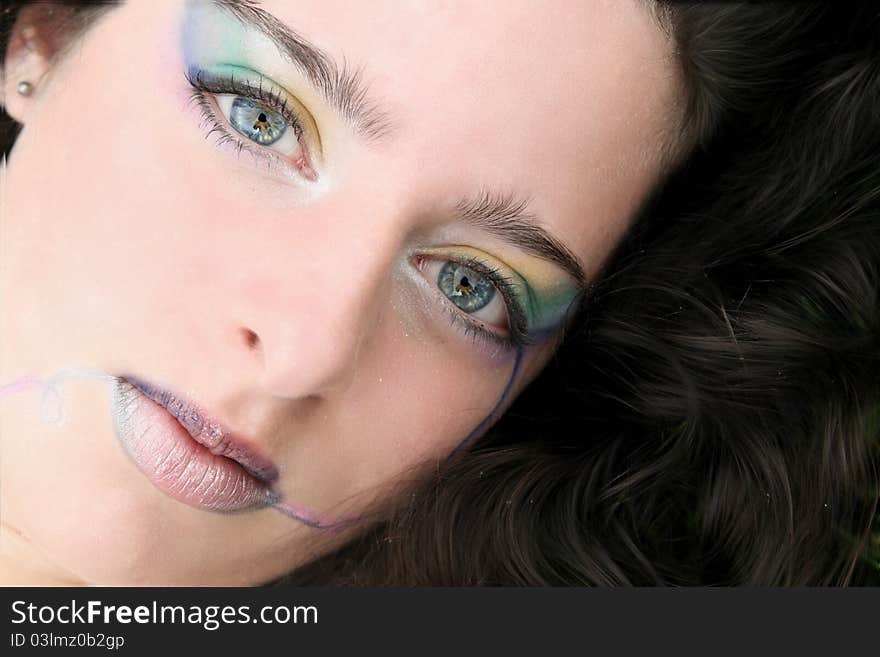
713	415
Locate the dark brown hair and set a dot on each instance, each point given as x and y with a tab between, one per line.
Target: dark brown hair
713	417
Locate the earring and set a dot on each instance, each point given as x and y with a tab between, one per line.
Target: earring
25	88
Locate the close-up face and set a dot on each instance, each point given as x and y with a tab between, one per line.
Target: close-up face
333	239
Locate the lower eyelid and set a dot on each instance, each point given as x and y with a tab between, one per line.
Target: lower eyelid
486	340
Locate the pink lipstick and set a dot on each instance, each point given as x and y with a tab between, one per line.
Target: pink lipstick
185	453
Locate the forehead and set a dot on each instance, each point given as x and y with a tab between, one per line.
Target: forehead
566	103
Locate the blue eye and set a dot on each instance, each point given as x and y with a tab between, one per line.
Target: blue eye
256	121
482	302
258	118
466	288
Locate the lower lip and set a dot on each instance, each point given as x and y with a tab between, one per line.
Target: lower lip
175	463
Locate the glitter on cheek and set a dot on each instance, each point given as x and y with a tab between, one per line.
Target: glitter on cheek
410	307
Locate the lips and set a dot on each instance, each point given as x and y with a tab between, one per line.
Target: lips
185	453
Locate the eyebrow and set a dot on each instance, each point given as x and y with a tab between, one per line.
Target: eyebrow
342	87
508	219
501	215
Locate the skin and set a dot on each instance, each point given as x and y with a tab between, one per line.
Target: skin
292	309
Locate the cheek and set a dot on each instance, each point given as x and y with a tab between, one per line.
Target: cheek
414	398
102	212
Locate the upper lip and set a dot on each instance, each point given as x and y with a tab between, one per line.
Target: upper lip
208	432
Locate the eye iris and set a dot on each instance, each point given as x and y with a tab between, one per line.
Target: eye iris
256	121
467	289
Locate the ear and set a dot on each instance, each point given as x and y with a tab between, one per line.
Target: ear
34	42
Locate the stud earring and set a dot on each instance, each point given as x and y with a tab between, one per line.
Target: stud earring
25	88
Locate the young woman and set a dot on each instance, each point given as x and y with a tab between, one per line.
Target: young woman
274	274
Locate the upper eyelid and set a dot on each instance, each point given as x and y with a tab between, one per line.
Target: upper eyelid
504	285
485	261
343	87
228	83
210	108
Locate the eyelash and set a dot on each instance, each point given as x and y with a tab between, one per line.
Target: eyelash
519	336
204	85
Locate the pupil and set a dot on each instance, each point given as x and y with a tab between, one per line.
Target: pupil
466	288
261	118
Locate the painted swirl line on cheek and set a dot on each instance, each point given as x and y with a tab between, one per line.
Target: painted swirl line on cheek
51	401
492	416
315	522
311	520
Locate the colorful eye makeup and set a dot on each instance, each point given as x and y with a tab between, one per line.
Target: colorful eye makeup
250	112
229	67
483	300
492	301
487	300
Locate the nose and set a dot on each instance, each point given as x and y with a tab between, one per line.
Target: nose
313	300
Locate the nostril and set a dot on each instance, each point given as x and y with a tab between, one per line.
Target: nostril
251	339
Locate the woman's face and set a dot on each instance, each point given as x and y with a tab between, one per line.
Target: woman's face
351	262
